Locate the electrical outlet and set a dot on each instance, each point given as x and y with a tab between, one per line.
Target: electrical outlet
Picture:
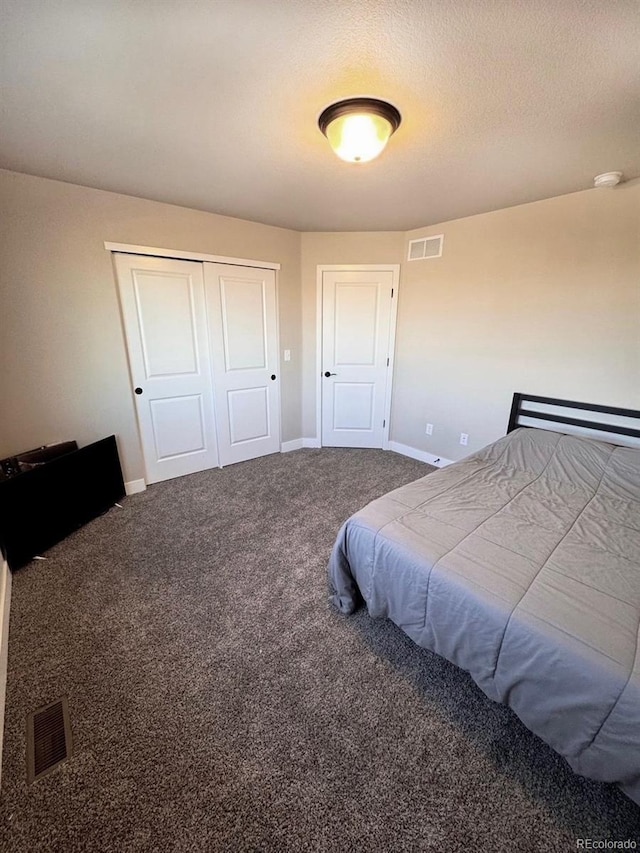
287	355
464	438
429	429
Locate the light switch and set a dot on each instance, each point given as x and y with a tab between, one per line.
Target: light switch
287	355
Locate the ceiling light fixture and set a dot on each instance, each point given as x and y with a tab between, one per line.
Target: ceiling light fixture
359	128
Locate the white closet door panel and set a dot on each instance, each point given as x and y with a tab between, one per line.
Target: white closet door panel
242	317
163	308
248	414
165	304
178	426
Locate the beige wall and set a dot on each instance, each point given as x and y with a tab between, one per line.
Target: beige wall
64	370
347	247
543	298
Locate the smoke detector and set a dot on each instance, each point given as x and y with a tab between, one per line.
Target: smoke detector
607	179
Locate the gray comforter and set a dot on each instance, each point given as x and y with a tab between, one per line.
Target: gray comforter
521	564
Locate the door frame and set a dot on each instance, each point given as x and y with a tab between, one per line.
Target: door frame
320	270
179	255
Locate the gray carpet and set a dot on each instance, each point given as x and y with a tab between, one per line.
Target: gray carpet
219	704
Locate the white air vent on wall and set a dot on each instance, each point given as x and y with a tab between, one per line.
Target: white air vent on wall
426	247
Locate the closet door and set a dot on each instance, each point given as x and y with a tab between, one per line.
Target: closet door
242	318
163	309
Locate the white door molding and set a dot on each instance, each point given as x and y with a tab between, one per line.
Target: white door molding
180	255
320	270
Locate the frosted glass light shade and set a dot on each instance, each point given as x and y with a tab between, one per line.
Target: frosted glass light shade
358	138
359	129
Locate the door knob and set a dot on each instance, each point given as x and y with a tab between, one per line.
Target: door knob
138	390
273	376
327	374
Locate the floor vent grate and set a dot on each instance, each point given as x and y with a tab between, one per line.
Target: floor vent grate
48	739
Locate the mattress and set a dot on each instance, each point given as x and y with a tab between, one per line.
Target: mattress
520	564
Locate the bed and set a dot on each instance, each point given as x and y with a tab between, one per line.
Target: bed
521	564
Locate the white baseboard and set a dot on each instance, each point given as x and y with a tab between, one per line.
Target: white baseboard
288	446
299	443
135	486
420	455
311	442
5	605
404	449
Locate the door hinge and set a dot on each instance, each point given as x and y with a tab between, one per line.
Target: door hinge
392	293
387	362
384	422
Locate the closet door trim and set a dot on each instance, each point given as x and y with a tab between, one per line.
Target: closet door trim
179	255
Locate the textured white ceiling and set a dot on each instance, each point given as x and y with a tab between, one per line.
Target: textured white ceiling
214	105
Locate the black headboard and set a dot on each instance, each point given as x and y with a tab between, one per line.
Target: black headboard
518	412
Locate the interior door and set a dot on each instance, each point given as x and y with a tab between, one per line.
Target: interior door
163	307
242	316
356	318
